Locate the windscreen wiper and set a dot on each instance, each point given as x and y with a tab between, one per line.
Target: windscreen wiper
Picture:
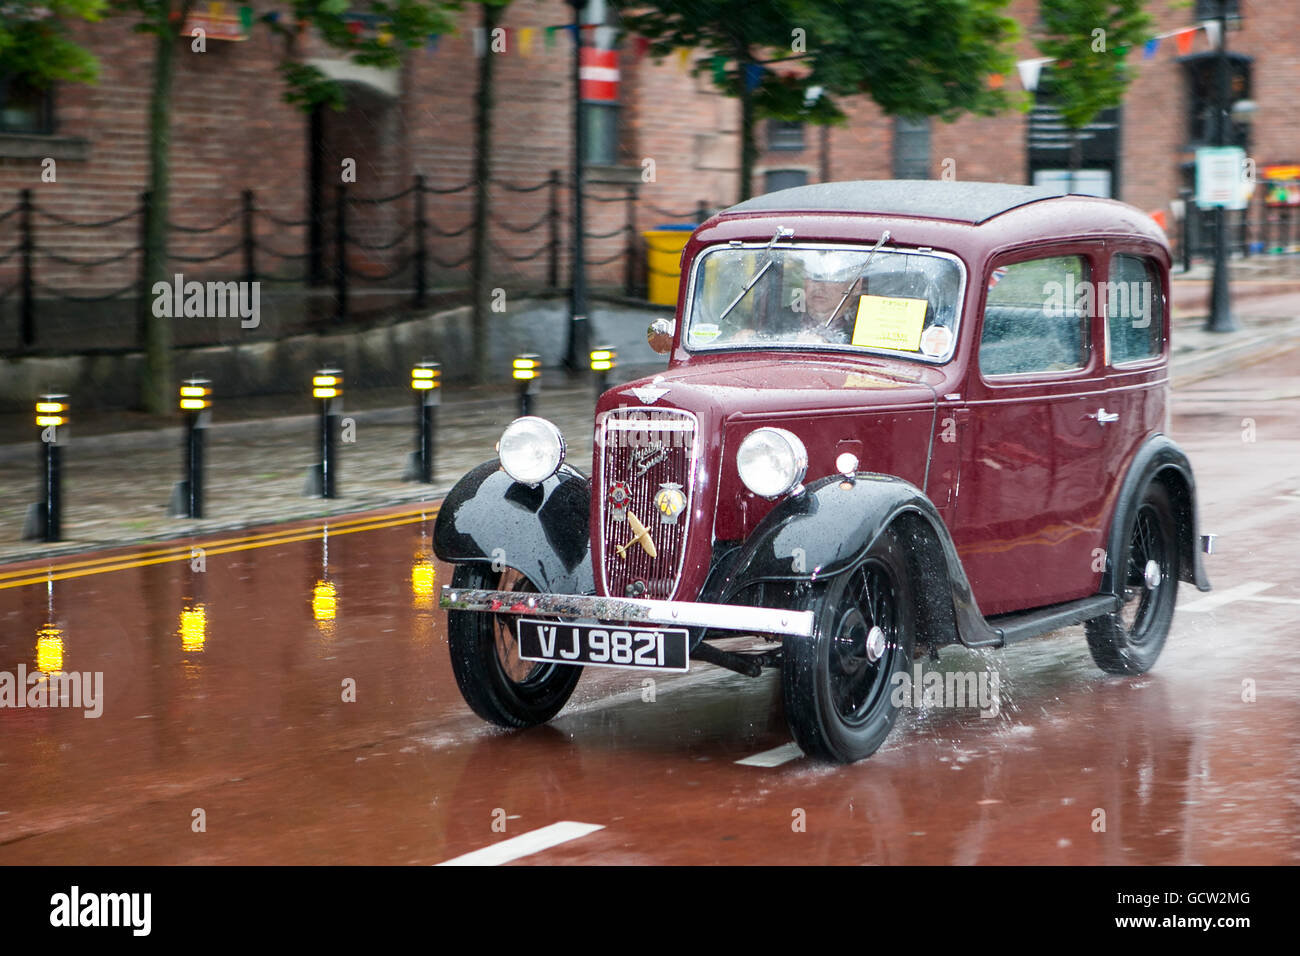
884	237
781	233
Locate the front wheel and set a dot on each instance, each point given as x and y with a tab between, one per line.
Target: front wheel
837	684
495	682
1130	640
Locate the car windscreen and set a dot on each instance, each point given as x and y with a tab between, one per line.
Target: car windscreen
819	296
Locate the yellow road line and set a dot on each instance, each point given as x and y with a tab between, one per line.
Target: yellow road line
185	548
56	574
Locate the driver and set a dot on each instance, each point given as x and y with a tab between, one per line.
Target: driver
827	277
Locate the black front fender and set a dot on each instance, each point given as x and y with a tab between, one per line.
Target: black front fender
540	531
830	527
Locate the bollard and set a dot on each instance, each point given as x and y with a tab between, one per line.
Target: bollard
527	371
426	381
195	402
327	386
603	361
45	518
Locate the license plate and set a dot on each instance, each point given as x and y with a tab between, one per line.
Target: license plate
595	644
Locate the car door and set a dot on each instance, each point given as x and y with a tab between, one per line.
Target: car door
1028	519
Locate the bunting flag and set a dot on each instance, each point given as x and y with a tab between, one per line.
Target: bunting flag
526	41
684	57
1149	48
996	81
1029	72
431	44
479	38
641	46
1184	40
1212	33
753	76
550	37
719	65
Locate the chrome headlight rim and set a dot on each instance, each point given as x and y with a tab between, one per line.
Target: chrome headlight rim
797	469
542	429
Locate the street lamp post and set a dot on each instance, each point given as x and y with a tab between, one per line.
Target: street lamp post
579	332
1221	318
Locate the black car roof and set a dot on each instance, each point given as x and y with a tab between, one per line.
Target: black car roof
925	198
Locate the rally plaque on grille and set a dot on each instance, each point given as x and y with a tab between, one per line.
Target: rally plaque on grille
648	459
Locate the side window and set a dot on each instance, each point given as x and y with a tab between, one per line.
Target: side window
1036	317
1135	318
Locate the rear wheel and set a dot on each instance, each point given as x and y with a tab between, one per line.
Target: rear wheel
837	685
496	684
1130	640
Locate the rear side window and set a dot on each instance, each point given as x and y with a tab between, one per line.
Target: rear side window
1036	317
1134	310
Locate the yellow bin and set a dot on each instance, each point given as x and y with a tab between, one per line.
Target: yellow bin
663	255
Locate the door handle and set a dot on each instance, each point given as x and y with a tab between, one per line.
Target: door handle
1103	417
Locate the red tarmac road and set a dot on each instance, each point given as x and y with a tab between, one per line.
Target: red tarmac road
222	704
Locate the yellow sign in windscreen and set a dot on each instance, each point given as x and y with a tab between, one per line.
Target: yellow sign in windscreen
889	323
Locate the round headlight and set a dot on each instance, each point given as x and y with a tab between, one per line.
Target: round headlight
531	450
771	461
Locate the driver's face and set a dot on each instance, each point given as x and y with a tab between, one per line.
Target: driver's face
822	297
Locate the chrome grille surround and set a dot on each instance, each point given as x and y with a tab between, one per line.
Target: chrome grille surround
623	433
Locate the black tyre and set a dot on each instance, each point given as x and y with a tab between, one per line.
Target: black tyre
1130	640
496	684
837	685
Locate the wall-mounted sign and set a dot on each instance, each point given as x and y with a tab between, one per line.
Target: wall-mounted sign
1281	184
1221	177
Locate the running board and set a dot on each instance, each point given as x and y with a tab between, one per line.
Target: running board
1026	624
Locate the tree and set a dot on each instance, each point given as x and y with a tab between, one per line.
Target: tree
1089	40
913	57
34	41
407	24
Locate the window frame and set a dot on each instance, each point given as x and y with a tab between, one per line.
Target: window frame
1114	250
1094	358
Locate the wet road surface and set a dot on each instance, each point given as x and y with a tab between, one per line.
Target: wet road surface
225	736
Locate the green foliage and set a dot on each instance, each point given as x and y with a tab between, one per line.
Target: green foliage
913	57
1090	73
34	41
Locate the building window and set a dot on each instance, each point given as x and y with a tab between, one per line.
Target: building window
911	147
1202	72
783	134
1050	144
775	179
25	107
1209	9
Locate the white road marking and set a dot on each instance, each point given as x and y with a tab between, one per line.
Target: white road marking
1216	600
525	844
774	757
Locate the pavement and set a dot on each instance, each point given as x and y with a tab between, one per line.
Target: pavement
120	466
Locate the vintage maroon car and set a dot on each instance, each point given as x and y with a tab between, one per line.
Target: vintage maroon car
896	416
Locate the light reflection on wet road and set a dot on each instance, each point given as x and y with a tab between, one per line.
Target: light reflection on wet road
224	693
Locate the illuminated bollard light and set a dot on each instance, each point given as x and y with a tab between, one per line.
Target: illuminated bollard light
196	404
426	385
45	518
327	388
527	371
603	361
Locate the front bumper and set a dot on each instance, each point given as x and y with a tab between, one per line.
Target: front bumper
730	617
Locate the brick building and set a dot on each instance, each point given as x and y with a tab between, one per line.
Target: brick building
232	132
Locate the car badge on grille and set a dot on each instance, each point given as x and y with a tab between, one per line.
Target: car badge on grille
639	536
649	394
618	499
647	456
670	501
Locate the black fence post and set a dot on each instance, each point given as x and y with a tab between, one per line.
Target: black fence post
250	244
1189	209
28	314
341	255
553	257
701	212
421	251
629	267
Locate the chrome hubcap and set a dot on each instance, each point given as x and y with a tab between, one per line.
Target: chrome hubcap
875	644
1151	575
